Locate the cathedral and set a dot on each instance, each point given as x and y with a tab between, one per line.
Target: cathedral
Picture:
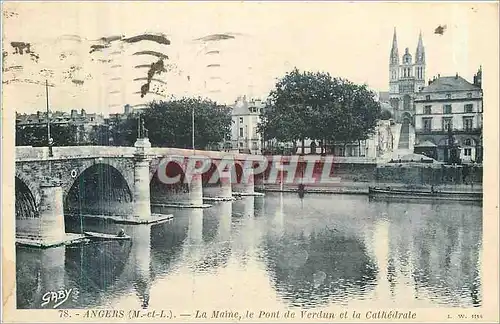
406	78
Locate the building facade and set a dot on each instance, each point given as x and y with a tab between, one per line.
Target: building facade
82	124
245	119
406	78
449	113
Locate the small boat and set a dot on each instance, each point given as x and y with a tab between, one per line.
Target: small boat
104	236
421	194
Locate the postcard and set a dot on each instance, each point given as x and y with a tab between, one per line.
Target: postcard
250	162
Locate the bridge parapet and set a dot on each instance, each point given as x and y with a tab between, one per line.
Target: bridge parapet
68	152
167	151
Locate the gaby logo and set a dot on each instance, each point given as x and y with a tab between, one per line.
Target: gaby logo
270	170
58	297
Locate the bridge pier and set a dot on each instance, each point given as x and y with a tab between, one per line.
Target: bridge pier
226	189
48	228
195	190
51	212
246	186
142	202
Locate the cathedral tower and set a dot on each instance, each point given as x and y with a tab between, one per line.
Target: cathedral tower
420	64
394	65
406	78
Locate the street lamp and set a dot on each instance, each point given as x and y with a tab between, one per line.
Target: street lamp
192	107
49	138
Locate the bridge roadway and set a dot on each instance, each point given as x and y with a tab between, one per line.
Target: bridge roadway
116	183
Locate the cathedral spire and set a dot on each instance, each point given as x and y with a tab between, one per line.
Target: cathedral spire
420	53
394	50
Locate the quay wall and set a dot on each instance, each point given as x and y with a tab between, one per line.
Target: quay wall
404	173
429	175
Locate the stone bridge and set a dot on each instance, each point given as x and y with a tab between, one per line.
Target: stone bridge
118	183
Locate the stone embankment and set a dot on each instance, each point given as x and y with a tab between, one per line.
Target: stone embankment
362	187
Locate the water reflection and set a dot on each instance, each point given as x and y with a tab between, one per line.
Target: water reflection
448	263
140	256
321	266
195	229
313	252
224	228
259	209
167	240
38	272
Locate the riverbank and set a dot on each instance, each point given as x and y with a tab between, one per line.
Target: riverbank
361	188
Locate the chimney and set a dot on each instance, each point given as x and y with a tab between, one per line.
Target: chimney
126	109
83	112
439	75
430	81
478	78
456	76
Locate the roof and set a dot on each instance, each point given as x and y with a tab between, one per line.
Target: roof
449	83
242	105
412	157
426	144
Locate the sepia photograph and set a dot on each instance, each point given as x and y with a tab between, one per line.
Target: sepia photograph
250	161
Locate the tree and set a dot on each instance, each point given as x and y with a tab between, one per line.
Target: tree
170	123
123	132
319	107
100	135
36	135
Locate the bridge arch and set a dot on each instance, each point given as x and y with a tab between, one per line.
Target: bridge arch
30	184
163	192
72	174
238	171
27	200
211	177
99	189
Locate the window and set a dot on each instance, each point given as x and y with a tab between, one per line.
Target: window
261	110
468	123
241	119
446	109
241	131
468	108
467	151
448	96
427	110
241	144
469	95
427	124
428	97
468	142
447	124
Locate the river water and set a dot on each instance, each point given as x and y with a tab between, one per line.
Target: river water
274	251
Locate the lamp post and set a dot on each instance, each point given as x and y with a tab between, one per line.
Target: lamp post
49	138
192	107
192	125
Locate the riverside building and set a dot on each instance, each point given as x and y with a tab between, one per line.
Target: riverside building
450	107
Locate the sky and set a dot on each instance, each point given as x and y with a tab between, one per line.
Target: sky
349	40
